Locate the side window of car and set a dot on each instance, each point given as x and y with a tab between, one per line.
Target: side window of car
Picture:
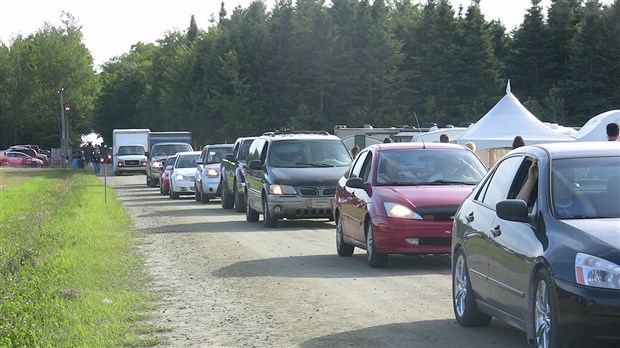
357	166
254	150
520	179
236	149
366	168
497	187
263	152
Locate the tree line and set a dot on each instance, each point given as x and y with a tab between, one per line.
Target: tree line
312	64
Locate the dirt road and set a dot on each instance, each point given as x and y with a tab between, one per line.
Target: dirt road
230	283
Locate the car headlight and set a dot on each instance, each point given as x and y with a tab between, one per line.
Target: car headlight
594	271
282	190
212	173
396	210
156	164
181	177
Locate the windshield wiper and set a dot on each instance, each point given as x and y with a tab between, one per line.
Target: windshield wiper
442	181
581	217
315	164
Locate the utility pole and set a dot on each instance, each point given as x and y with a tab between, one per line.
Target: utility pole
63	131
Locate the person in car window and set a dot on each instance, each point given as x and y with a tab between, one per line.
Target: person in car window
388	172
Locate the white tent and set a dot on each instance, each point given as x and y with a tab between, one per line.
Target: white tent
507	119
594	129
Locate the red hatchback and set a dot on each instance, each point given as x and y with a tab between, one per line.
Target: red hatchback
401	198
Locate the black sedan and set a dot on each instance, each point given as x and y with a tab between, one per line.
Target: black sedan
537	245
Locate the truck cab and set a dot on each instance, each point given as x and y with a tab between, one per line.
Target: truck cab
130	158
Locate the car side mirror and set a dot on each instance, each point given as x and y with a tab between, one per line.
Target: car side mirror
255	164
169	167
357	183
513	210
147	154
229	157
200	162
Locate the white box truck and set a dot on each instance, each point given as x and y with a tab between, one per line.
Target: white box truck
129	148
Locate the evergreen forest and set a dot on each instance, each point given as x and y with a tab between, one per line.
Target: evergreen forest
314	64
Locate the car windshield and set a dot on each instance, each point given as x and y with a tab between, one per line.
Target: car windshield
428	167
186	161
585	188
309	153
130	150
171	149
216	154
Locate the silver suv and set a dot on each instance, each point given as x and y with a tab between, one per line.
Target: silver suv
293	175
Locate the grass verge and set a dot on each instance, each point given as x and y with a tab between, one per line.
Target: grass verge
70	270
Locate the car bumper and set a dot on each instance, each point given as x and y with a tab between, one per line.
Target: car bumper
297	207
404	236
588	313
211	187
183	186
131	169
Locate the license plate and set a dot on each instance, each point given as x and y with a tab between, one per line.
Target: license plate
321	203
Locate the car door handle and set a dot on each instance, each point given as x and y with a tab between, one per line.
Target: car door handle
496	231
470	217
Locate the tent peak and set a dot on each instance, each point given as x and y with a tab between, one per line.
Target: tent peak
508	87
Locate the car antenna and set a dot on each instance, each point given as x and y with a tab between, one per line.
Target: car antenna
415	114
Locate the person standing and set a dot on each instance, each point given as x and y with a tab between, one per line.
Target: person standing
96	160
613	131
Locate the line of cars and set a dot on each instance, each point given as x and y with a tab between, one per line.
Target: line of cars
25	156
546	261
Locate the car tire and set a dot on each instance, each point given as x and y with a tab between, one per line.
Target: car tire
161	189
228	201
152	182
544	310
375	259
173	195
251	215
148	182
463	301
117	173
197	195
203	198
343	248
239	200
268	219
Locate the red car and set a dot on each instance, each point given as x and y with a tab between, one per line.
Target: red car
401	198
164	178
19	159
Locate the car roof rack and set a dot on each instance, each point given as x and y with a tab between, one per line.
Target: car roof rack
291	131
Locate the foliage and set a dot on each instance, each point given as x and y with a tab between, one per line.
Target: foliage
315	64
35	68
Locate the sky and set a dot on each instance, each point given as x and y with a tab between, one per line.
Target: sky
111	27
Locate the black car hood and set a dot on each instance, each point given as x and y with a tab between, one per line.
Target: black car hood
307	176
605	230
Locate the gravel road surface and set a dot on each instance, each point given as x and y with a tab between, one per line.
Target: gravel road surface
230	283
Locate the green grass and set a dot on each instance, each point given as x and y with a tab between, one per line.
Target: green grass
70	271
